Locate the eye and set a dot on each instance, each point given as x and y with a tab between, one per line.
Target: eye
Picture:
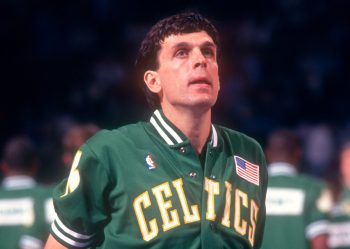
208	52
181	52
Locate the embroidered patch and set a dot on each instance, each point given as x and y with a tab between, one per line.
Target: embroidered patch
151	165
247	170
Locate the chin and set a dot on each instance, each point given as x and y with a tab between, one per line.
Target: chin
203	103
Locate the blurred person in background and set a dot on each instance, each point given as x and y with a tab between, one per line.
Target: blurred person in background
70	138
339	231
297	205
319	138
73	138
26	210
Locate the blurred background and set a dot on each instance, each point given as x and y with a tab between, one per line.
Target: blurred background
285	64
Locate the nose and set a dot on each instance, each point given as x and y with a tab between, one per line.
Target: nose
199	59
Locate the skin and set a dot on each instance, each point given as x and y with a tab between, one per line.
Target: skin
187	83
345	165
280	149
319	242
53	243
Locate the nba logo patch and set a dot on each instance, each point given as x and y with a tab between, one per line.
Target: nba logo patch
150	163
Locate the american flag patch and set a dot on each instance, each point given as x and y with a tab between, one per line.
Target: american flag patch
247	170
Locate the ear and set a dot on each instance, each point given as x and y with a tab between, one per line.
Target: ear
34	169
5	168
152	81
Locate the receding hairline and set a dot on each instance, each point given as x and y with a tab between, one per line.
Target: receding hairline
209	42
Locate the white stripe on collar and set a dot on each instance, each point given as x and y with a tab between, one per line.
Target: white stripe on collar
170	135
161	132
167	127
281	168
214	137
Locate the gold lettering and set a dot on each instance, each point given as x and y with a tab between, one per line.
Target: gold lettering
254	210
213	188
74	176
188	216
226	218
144	200
173	220
241	199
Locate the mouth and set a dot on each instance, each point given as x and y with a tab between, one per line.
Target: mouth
200	81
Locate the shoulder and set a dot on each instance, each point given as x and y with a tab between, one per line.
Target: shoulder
46	189
122	134
108	134
312	181
238	139
240	145
114	143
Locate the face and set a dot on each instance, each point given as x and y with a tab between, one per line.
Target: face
345	165
188	71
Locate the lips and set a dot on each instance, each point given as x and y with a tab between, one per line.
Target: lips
200	81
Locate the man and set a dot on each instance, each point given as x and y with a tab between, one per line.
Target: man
73	138
26	210
296	204
177	181
339	237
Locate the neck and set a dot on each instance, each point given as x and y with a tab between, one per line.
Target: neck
193	123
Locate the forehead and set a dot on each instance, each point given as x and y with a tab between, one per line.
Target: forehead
195	38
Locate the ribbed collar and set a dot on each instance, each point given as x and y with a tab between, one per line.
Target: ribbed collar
171	134
281	168
18	182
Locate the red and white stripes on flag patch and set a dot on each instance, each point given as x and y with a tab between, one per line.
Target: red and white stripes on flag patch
247	170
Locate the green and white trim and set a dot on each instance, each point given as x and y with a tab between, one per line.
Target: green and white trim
170	134
70	237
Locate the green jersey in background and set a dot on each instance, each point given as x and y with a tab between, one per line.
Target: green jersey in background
339	231
26	213
297	208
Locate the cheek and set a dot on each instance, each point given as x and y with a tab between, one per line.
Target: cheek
170	71
216	77
345	166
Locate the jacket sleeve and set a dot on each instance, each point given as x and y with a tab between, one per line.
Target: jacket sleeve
80	201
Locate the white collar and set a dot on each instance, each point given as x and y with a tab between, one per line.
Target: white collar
171	134
18	182
281	168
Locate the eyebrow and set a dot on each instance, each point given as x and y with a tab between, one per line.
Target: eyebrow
186	44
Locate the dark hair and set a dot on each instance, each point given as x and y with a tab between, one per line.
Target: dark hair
283	144
19	153
183	23
285	140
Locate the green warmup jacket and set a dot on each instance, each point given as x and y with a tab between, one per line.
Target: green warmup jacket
144	186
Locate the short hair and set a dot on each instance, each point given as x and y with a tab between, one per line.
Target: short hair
283	143
76	135
20	153
183	23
